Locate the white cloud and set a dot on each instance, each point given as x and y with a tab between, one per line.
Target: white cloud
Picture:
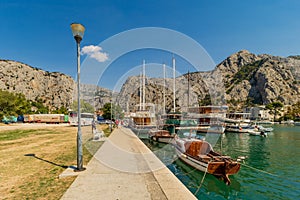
95	52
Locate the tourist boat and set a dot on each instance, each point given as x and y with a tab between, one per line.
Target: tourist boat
210	118
237	122
200	155
162	136
142	120
144	117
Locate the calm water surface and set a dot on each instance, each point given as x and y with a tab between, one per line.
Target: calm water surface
271	169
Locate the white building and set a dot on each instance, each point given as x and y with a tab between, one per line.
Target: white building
258	113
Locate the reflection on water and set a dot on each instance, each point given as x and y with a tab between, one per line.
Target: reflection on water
271	169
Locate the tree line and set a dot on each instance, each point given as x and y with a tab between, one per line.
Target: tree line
15	104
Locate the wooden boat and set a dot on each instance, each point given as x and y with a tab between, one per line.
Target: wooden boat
162	136
200	155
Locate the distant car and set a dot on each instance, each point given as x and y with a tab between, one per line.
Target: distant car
102	121
109	121
9	119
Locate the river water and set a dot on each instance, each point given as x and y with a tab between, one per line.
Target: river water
271	169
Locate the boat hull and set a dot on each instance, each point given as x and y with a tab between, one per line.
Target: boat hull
162	136
201	166
236	129
199	155
161	139
215	168
255	133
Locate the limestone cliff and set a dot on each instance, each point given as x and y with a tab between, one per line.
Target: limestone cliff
241	78
261	79
54	89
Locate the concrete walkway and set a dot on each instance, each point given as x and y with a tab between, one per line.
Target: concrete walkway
124	168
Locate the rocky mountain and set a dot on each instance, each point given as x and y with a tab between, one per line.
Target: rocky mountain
261	79
95	95
54	89
242	78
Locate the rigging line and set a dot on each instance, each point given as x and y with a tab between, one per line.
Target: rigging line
201	181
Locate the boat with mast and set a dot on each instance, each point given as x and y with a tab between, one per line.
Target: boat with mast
143	118
166	130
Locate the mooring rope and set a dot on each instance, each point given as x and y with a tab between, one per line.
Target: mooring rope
258	169
201	181
186	172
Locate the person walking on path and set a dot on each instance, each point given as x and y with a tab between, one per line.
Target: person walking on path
94	128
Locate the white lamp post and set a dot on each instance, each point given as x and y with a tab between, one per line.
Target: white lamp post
78	31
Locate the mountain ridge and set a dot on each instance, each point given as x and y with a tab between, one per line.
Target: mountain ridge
242	78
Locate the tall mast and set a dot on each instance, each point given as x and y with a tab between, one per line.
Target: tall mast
188	101
144	84
164	105
140	106
174	86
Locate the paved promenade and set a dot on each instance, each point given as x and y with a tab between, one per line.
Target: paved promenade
124	168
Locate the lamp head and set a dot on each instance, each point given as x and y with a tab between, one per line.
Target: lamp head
78	31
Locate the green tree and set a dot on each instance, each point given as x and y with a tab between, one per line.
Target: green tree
107	111
22	105
112	111
61	110
205	101
274	107
296	111
40	108
12	104
85	107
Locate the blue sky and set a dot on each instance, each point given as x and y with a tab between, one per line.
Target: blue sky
37	32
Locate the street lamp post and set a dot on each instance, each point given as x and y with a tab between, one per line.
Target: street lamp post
78	31
111	116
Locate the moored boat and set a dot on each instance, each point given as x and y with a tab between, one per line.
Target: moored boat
237	128
162	136
200	155
210	118
297	123
257	133
264	129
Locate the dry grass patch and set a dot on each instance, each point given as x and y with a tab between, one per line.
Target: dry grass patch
31	161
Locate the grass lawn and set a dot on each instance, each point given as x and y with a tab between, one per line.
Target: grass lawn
32	159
